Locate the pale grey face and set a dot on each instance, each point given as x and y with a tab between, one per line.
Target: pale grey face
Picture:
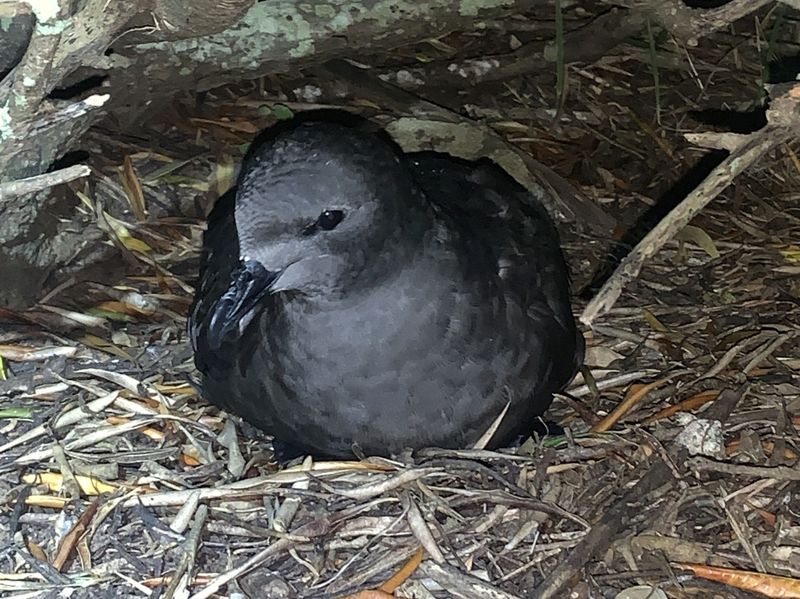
318	202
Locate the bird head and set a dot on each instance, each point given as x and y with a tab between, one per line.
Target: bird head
318	210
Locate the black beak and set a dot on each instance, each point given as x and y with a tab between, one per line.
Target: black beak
249	283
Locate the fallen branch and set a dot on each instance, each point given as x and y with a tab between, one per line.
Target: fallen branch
59	44
716	140
11	189
783	120
280	35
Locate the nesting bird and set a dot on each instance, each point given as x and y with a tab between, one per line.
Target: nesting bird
352	296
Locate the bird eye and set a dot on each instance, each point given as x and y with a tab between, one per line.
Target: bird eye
329	219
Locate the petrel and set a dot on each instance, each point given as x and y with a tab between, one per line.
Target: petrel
353	298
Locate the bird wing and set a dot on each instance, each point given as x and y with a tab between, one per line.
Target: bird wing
219	259
505	229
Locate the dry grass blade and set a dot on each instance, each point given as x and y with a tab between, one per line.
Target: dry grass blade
17	353
487	436
72	417
626	406
85	441
419	528
133	189
123	380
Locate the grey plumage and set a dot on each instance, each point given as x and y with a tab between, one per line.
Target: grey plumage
439	295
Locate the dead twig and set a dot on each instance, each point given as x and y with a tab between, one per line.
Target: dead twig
783	121
702	464
11	189
690	24
379	488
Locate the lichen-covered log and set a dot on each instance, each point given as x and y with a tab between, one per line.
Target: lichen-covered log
279	35
16	26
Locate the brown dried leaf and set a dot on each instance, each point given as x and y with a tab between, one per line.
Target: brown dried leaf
70	540
633	398
687	405
133	189
36	550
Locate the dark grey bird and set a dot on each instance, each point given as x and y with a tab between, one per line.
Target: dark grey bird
352	296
